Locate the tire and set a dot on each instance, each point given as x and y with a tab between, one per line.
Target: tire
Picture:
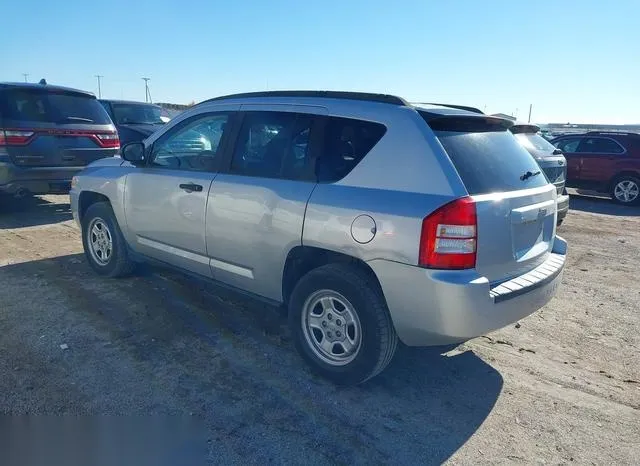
625	190
350	307
115	263
559	222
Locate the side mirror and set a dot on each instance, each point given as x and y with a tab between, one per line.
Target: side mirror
133	152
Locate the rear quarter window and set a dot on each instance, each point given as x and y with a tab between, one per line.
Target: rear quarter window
26	105
346	142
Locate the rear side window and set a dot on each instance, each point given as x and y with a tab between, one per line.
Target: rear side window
346	142
273	145
600	146
25	105
487	161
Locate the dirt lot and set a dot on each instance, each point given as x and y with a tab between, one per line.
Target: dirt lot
562	386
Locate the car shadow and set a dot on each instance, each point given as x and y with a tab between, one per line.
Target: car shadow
33	211
161	342
587	202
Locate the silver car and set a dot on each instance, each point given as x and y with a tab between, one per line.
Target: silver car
371	219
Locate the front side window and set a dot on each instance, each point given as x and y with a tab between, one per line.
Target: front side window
600	146
273	145
568	145
194	145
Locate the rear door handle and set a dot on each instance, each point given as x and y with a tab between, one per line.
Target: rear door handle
190	187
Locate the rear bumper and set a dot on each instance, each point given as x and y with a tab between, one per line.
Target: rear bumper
37	180
563	206
437	307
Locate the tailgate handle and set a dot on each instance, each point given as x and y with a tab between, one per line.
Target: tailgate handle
190	187
532	213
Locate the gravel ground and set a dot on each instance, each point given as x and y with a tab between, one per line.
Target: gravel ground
561	386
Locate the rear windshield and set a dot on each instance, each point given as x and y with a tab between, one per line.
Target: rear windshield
26	105
487	161
137	114
535	142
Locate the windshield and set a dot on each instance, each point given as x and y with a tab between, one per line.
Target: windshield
535	141
140	114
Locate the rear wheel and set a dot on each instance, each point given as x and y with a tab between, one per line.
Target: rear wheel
104	245
626	190
341	325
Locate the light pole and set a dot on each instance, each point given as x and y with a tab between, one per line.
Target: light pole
99	76
26	75
147	93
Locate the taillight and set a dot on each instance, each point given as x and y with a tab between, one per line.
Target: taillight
15	137
449	236
108	140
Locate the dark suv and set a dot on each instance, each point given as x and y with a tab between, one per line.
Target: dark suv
550	159
47	134
604	161
135	120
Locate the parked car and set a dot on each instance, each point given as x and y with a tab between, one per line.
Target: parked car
607	162
135	120
371	219
550	159
47	134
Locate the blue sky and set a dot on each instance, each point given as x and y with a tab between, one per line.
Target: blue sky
576	61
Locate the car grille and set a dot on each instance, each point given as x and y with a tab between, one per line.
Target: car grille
557	176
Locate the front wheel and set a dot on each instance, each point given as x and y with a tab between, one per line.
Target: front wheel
104	245
626	190
341	325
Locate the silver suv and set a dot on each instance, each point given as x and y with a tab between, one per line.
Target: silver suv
370	218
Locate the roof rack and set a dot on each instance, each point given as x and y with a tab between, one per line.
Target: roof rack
614	132
363	96
459	107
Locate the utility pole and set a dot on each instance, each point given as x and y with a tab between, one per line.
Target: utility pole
26	75
530	108
147	93
99	88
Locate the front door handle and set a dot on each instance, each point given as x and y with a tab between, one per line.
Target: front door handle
190	187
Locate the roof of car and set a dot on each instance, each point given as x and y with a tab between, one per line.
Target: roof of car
522	127
119	101
431	108
606	134
366	96
38	86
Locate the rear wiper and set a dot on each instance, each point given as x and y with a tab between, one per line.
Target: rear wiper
528	175
75	118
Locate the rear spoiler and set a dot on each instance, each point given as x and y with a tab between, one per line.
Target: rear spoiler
458	107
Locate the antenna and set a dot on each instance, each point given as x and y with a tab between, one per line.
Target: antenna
147	93
98	76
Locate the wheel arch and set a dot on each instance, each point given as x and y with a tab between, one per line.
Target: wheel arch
302	259
87	198
622	174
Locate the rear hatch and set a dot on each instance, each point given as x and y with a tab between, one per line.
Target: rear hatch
549	158
53	127
515	205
